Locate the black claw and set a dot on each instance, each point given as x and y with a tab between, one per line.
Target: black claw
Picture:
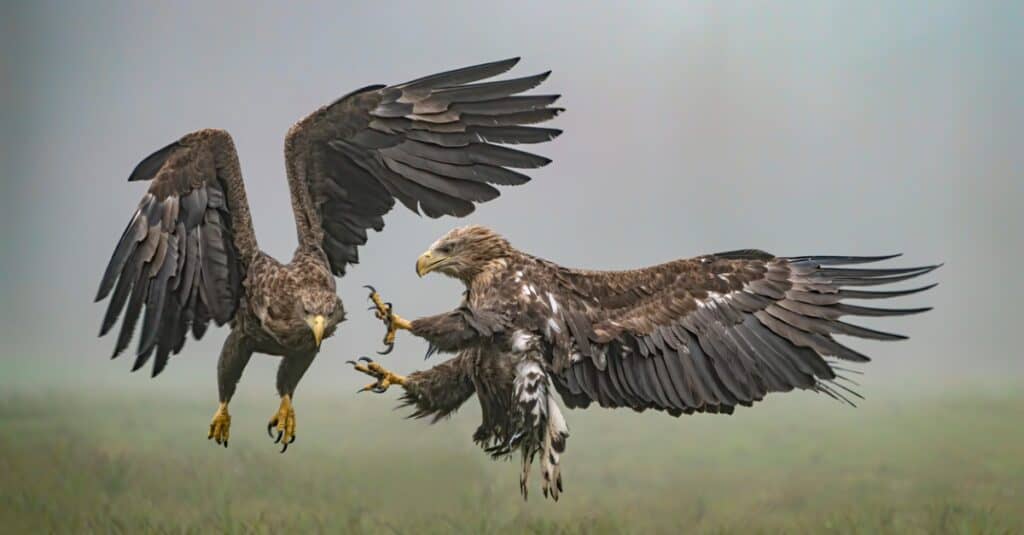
352	362
387	351
278	439
285	447
371	288
292	440
270	427
225	443
366	359
374	308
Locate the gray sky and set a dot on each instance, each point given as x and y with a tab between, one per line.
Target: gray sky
799	128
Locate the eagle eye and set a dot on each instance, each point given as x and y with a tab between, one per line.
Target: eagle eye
444	249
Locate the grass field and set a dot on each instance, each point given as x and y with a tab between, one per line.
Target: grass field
137	462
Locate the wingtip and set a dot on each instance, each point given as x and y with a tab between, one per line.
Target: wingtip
507	63
881	258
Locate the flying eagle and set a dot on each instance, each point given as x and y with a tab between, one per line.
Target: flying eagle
189	254
703	334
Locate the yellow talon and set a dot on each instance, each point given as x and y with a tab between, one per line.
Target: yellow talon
284	422
220	425
384	377
393	321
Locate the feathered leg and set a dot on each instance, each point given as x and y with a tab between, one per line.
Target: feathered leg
292	368
436	392
234	356
446	332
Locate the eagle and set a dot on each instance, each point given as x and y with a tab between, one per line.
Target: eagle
189	255
695	335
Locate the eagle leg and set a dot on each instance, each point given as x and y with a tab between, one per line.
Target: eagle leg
384	377
393	321
284	421
220	425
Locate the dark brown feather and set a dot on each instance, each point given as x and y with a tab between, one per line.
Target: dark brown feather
185	250
427	143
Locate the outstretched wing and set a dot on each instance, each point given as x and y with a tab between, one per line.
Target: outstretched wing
182	257
431	143
710	333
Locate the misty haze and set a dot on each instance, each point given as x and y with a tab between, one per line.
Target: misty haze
690	128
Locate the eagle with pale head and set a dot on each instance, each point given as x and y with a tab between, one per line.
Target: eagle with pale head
696	335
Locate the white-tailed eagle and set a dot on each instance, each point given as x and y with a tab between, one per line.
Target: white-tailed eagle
703	334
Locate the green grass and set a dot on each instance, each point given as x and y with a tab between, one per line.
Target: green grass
129	462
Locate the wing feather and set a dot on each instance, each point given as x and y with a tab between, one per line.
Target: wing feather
430	143
181	259
712	332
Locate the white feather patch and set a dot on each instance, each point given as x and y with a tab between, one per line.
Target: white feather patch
522	340
554	304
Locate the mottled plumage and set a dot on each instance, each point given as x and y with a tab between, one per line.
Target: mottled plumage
703	334
189	255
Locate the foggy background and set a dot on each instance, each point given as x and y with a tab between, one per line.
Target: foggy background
798	128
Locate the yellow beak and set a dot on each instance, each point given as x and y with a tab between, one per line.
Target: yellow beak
316	324
427	262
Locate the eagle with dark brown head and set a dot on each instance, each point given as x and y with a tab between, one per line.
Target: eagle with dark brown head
189	255
703	334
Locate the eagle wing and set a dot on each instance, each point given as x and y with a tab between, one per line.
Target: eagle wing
181	259
709	333
431	143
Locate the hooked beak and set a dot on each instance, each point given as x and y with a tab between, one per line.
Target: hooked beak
428	261
316	324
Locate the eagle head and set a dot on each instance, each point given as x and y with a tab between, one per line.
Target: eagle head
463	252
320	310
303	314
